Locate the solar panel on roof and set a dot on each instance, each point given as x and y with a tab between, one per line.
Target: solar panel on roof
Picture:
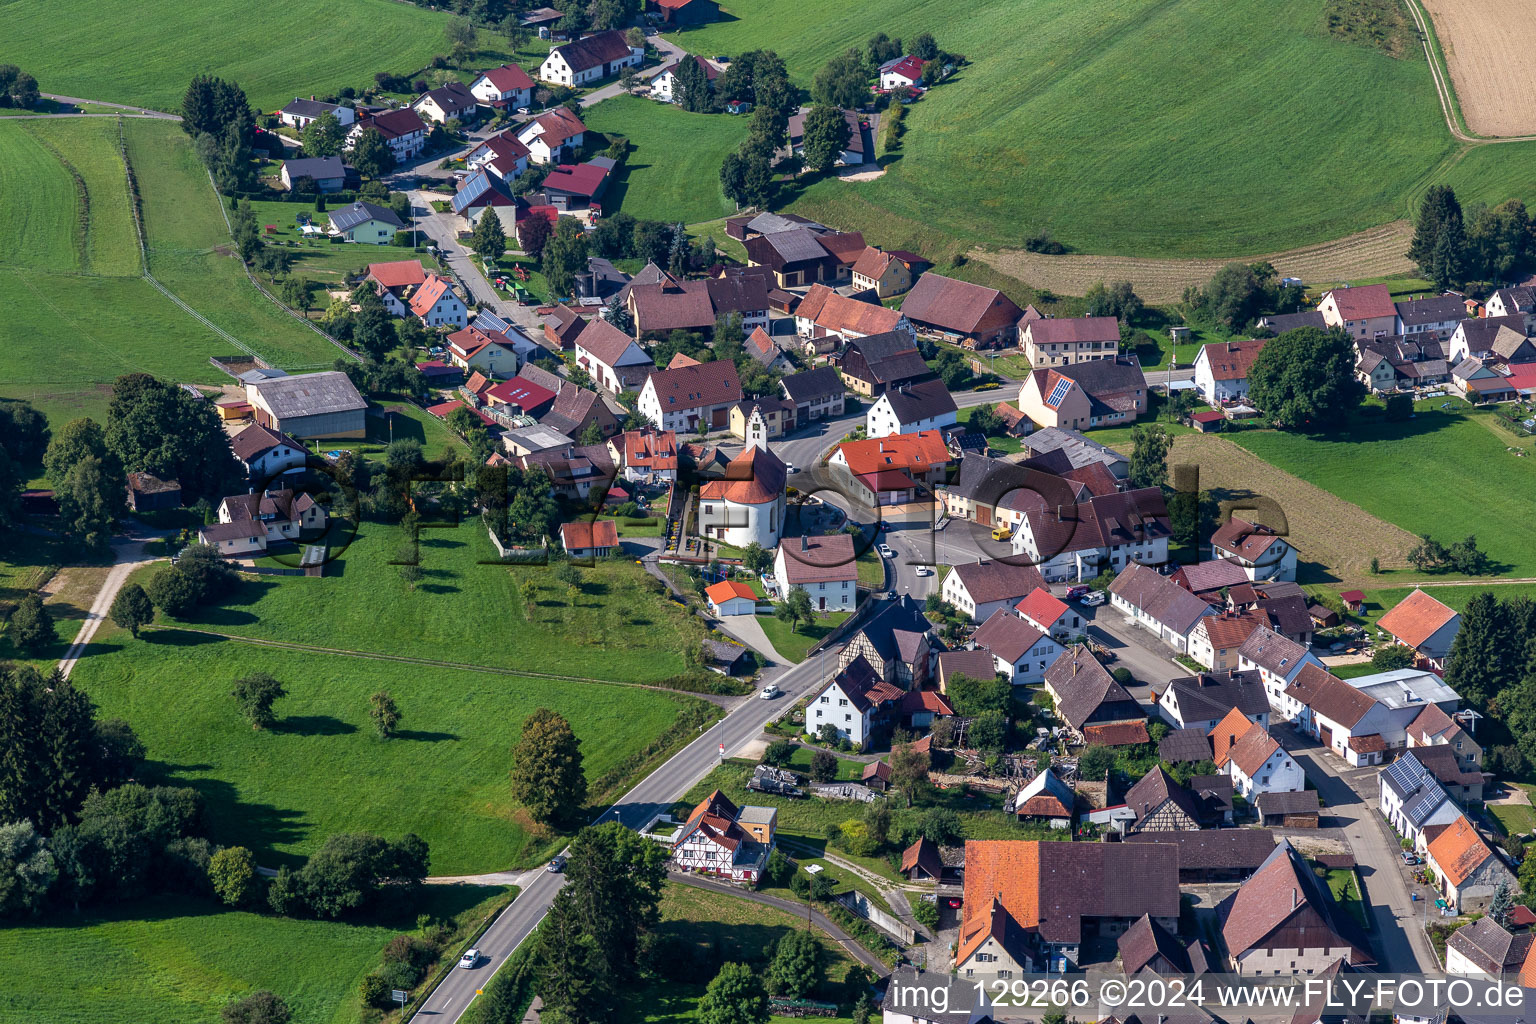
1059	392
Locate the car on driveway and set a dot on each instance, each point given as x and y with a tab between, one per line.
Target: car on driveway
471	958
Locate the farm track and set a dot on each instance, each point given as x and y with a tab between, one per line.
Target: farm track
1443	89
1375	252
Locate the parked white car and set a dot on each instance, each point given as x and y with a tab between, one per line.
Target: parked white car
1093	598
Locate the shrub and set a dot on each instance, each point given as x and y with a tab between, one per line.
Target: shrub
823	766
925	913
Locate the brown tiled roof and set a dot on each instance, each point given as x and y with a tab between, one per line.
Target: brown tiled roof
1271	651
755	477
960	306
595	50
1243	538
1459	850
1159	597
1284	893
586	533
872	263
1210	575
1145	941
989	581
1330	696
1229	631
1365	302
669	307
1117	734
976	664
819	559
812	384
1156	788
1007	636
922	854
1071	330
839	313
606	342
1104	520
1241	848
1490	947
256	440
1242	742
696	387
1082	685
1230	360
1187	744
843	246
1416	618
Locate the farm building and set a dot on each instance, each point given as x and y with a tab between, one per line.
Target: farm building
309	405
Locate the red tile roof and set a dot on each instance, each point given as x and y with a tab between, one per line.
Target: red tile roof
427	296
1364	302
726	590
920	452
392	124
559	124
872	263
1117	734
1243	538
1459	851
578	179
1416	618
961	306
755	477
1230	360
397	273
521	392
696	387
508	78
819	559
604	341
1228	632
1328	695
908	67
1042	607
1071	330
602	533
838	313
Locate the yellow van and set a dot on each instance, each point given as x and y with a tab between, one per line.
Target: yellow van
1001	533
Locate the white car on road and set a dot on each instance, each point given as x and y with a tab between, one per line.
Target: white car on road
770	691
471	958
923	570
886	552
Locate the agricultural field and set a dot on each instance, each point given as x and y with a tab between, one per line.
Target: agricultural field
70	265
121	51
322	769
673	172
1488	46
177	961
1449	473
467	611
1121	127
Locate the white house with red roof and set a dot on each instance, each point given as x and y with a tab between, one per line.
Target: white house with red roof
1363	312
506	86
1263	554
589	538
612	358
1049	614
826	568
897	470
731	597
450	101
282	514
1221	369
902	73
403	130
747	505
1425	624
721	839
394	282
503	155
436	303
492	352
1244	750
552	135
265	453
649	456
681	397
851	702
588	59
1069	340
664	86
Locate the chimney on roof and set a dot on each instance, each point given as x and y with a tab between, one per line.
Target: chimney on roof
1295	897
805	543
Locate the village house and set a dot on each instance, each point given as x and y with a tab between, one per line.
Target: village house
394	282
850	702
1107	531
1068	341
1347	721
552	135
684	397
589	538
898	642
501	155
1434	728
436	304
901	73
283	513
1284	921
575	472
826	568
1097	393
731	597
1045	800
402	130
575	408
1201	701
1207	580
683	12
1495	340
1081	450
1520	300
851	155
266	454
1147	947
1254	760
649	456
761	347
795	257
747	505
1412	799
505	87
301	112
600	55
1020	651
665	88
1486	950
611	357
491	352
577	186
1216	639
1030	905
1156	803
871	365
1279	604
1433	317
1278	661
886	273
308	405
1466	869
1221	369
978	590
534	439
451	101
1092	704
721	839
521	397
365	222
668	305
892	471
978	317
825	313
1043	610
325	173
1262	553
1363	312
1424	624
926	405
817	394
973	664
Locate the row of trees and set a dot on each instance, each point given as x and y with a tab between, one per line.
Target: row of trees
1479	248
1463	556
762	79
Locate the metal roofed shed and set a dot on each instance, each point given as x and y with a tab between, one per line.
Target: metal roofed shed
1406	687
309	405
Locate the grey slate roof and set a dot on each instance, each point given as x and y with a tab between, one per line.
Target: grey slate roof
310	108
361	212
1079	448
310	394
920	401
1210	695
812	384
1439	309
318	168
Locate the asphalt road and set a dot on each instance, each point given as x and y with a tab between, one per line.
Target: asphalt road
655	793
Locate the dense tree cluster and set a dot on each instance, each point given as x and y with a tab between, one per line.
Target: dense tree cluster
1117	299
1305	380
516	504
17	88
220	120
351	874
198	579
1480	247
1463	556
88	481
1492	664
1238	293
156	427
762	79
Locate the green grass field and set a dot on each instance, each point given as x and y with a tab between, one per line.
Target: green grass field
1380	600
127	52
1445	473
78	313
467	612
794	644
175	961
1129	127
322	769
673	171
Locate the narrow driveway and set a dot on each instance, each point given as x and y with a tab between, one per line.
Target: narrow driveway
1397	924
749	631
126	108
127	555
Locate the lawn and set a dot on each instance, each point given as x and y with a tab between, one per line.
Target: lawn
318	258
126	52
1346	893
1001	442
467	609
848	770
322	769
1444	473
175	961
1515	819
1119	126
795	644
673	171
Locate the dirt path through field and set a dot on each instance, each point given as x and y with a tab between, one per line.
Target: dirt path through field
1490	48
1327	530
1377	252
